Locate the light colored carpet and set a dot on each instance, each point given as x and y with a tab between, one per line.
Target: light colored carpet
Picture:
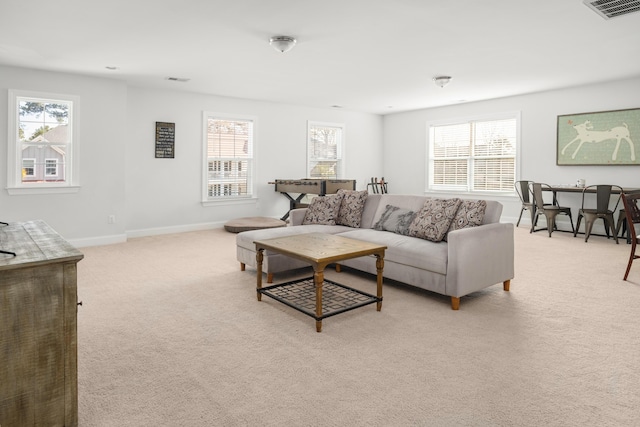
171	334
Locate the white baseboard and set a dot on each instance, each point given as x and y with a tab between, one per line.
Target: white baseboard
173	229
99	241
121	238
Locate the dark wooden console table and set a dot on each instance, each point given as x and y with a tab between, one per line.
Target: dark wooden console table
38	327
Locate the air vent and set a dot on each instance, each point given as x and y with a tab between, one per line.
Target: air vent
613	8
177	79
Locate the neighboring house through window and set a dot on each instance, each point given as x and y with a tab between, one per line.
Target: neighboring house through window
325	145
229	142
42	143
474	155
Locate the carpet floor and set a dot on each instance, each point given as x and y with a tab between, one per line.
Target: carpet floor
170	333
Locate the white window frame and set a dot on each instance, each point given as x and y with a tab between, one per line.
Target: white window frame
54	167
15	186
33	166
340	149
468	188
221	193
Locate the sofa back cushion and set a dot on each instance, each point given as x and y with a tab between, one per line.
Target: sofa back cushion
376	204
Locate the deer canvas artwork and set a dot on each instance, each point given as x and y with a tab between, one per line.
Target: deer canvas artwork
604	138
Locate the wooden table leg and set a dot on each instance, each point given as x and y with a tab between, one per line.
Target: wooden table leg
318	279
379	269
259	256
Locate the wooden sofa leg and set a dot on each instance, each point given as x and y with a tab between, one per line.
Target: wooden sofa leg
269	277
338	268
455	303
242	266
506	284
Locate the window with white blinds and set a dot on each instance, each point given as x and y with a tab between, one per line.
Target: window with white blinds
473	155
325	142
229	156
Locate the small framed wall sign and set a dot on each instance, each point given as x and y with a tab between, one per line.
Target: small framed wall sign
607	138
165	140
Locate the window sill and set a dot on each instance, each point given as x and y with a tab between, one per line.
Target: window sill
495	195
230	201
16	191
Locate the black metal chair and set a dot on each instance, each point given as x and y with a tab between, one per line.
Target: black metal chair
549	210
526	198
603	199
621	226
632	211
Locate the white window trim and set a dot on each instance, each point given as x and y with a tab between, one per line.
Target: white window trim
56	166
235	200
14	179
479	117
341	152
27	159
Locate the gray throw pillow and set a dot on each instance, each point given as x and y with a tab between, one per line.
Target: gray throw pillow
351	207
396	220
323	210
433	221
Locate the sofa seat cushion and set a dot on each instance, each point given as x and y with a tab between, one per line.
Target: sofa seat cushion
246	239
406	250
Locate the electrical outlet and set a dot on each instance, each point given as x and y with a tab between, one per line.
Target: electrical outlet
111	219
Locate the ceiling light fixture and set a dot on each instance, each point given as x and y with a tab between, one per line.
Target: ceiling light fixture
178	79
442	81
282	43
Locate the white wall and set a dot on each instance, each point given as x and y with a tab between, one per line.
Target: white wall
102	117
406	133
165	194
120	175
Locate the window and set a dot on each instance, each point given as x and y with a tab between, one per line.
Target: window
229	156
42	143
474	155
51	167
28	168
325	142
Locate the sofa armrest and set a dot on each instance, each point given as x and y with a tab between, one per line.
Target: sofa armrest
296	216
479	257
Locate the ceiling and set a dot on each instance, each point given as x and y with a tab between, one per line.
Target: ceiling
376	56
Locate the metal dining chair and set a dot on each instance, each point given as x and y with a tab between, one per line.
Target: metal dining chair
603	199
632	211
549	210
526	198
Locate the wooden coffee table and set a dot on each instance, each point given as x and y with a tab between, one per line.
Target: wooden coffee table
320	250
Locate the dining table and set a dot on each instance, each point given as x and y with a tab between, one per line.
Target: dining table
591	189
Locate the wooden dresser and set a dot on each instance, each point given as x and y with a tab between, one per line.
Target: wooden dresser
38	327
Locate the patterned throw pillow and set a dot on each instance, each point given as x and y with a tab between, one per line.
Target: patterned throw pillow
433	221
323	210
351	207
396	220
470	214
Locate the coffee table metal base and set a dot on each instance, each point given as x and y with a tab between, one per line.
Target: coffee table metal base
336	298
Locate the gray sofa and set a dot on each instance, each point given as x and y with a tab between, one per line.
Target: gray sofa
470	259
